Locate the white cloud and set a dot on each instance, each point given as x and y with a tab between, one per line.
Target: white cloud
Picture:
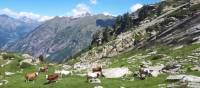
135	7
107	14
93	1
81	10
8	12
29	15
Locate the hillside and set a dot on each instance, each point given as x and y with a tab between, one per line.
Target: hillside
61	37
157	46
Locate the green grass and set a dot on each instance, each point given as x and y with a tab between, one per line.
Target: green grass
18	81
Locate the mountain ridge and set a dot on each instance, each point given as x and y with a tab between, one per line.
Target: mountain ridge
56	34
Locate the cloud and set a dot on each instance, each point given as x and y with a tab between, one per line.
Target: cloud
29	15
135	7
81	10
107	14
93	2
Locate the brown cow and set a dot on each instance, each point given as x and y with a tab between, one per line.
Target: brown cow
97	70
43	69
31	76
52	77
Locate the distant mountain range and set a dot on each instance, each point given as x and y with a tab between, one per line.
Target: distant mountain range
12	29
61	37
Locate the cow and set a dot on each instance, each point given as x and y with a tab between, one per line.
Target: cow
63	72
52	77
97	70
31	76
91	76
43	69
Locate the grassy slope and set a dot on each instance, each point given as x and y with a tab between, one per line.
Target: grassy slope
17	81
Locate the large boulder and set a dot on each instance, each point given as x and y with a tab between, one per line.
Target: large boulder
195	1
67	67
196	68
191	78
3	82
175	77
184	78
27	56
98	87
9	73
115	72
27	63
189	81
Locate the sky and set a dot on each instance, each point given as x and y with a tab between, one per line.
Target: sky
46	9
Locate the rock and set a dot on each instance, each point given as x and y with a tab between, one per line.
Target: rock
94	81
28	61
66	67
8	62
195	1
184	81
191	78
27	56
3	82
193	85
177	85
172	68
175	77
161	85
178	47
21	71
184	78
115	72
24	64
9	73
1	58
152	53
98	87
196	68
122	87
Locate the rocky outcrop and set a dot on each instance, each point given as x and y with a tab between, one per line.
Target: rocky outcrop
28	61
122	43
189	81
125	41
115	72
195	1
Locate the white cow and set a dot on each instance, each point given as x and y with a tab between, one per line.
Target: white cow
91	76
63	72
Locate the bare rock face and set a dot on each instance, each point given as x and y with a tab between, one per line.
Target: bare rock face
195	1
122	43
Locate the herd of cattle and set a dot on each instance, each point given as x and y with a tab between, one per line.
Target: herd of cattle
96	72
92	75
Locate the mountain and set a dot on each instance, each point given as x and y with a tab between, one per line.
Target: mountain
169	23
61	37
12	29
